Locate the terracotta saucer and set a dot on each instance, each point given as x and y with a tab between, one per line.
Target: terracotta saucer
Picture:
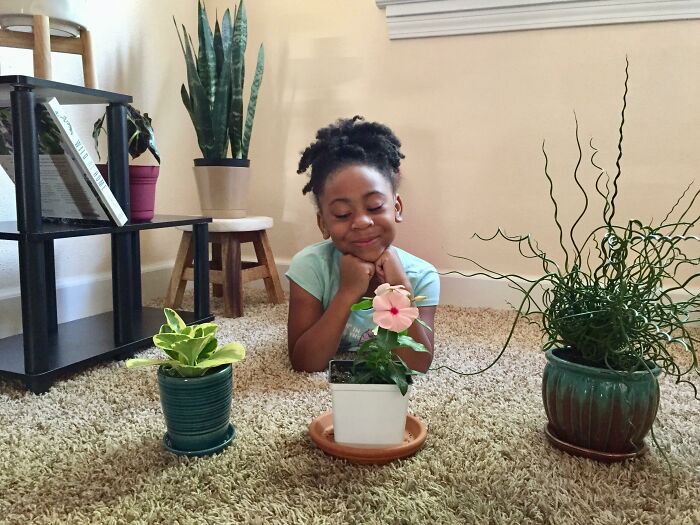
321	433
605	457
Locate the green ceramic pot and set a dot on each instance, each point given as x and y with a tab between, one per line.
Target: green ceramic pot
197	410
599	409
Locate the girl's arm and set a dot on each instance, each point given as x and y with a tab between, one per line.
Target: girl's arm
313	335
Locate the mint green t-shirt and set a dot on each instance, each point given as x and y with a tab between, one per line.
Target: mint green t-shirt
316	269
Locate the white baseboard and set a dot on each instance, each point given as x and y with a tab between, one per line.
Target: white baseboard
85	296
79	297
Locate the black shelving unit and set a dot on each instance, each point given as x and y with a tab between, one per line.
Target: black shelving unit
46	350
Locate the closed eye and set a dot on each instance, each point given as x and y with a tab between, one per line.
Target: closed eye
376	208
342	216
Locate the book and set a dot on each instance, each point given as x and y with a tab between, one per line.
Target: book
82	159
66	195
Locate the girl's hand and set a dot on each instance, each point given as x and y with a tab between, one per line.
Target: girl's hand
355	275
390	270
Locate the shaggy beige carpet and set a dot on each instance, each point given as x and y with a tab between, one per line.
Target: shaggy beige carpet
89	451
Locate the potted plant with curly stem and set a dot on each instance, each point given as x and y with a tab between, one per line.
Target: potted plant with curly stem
196	385
615	313
370	394
215	79
142	179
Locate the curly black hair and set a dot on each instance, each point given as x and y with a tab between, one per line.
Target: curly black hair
347	142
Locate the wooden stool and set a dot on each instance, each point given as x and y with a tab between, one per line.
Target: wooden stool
226	271
32	25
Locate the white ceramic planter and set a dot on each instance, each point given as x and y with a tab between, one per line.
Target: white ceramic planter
223	191
67	16
369	415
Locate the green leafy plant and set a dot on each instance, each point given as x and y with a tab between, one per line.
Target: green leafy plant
139	129
616	300
191	350
215	78
394	313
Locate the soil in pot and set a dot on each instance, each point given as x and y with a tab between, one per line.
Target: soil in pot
340	372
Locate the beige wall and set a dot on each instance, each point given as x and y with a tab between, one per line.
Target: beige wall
472	112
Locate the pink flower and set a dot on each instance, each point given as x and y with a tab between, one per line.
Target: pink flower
393	310
386	288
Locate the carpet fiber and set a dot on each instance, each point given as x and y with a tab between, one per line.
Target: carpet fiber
89	451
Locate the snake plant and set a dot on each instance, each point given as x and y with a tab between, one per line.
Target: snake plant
215	78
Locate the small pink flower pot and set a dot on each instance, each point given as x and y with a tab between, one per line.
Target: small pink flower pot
142	190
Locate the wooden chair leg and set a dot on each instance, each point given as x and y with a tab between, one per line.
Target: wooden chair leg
215	264
89	74
176	289
233	285
42	47
263	252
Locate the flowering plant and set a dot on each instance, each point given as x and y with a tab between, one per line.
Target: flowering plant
394	313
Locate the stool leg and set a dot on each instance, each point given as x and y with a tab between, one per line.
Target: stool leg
264	254
42	47
217	289
89	74
176	289
233	284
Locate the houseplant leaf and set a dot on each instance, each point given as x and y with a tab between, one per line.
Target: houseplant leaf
206	57
167	341
138	362
199	106
175	322
240	40
204	329
399	377
364	304
230	353
221	106
407	341
209	349
191	348
252	101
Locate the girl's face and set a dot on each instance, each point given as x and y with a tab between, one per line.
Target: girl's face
358	210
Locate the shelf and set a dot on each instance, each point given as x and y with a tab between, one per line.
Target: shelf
83	342
64	93
8	229
47	350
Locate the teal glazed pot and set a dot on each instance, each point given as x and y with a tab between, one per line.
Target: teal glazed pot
599	409
197	410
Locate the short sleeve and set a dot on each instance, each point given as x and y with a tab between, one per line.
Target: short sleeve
305	270
427	283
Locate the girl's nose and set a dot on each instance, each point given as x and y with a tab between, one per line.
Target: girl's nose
361	222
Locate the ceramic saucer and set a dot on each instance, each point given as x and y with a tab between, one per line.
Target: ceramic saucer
230	435
321	433
606	457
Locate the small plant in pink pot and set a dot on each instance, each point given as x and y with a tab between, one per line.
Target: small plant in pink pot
370	394
142	179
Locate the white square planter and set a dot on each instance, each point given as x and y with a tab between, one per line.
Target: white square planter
369	415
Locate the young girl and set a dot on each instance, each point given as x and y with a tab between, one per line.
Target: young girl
354	174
